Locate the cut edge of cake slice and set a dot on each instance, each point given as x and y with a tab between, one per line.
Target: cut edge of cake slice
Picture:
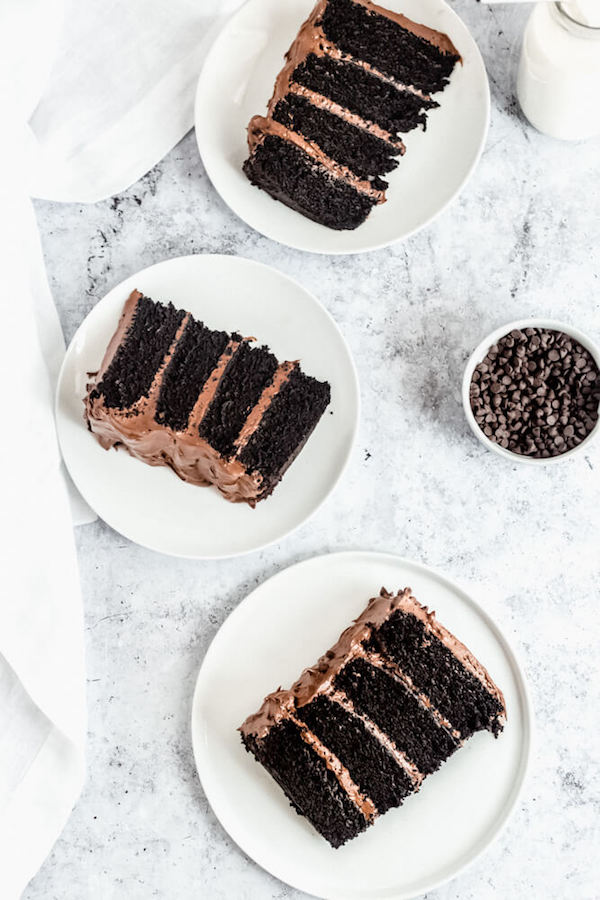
175	393
359	707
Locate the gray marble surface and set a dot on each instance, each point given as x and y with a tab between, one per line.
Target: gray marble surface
521	240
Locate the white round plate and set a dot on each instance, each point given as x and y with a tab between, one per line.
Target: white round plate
284	626
237	81
152	506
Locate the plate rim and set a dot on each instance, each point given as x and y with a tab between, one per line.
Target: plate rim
355	389
518	670
377	245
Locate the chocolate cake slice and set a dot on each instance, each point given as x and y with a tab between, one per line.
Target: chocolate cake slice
380	711
206	403
356	78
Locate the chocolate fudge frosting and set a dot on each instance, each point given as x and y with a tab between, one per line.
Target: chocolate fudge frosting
188	454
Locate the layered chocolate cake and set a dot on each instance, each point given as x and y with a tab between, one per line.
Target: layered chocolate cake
356	78
206	403
359	731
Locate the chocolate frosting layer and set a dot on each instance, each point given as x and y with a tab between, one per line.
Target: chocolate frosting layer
331	106
190	456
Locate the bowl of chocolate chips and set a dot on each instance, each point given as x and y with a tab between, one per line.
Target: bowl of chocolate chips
531	391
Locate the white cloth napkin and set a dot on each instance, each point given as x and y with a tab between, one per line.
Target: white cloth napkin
42	681
121	93
42	686
107	89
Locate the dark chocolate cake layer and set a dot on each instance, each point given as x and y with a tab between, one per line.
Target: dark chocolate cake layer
205	403
286	425
390	43
364	720
251	370
365	153
195	357
133	367
313	788
436	671
356	77
288	174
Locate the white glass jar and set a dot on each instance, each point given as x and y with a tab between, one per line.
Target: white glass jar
558	83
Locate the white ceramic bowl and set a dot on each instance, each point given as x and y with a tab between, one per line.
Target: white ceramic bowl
479	354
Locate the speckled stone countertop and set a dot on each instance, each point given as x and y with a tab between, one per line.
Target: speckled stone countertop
522	240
